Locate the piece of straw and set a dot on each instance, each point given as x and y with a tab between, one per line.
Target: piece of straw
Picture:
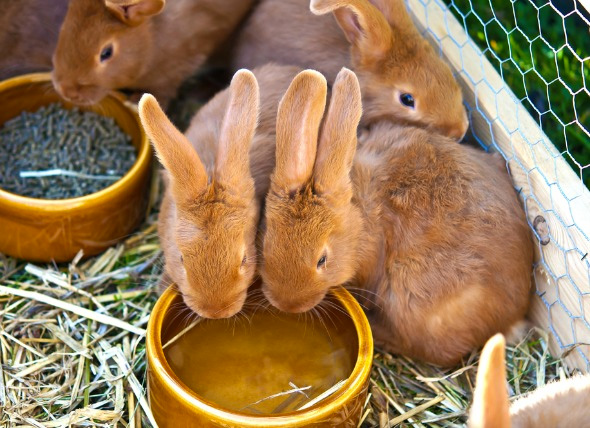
415	410
182	332
65	173
104	319
133	382
279	394
323	395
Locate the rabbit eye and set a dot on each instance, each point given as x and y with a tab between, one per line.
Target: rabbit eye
322	261
106	53
407	100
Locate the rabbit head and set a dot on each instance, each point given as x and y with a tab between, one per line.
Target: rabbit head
420	90
208	233
311	226
102	45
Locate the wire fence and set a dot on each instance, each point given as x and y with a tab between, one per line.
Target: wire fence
525	69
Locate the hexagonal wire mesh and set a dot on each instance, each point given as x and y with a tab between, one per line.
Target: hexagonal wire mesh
525	69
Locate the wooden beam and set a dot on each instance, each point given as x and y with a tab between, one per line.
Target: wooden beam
549	188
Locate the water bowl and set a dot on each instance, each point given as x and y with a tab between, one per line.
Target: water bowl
263	369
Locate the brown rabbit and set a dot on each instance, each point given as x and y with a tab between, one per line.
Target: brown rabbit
216	179
434	230
564	403
138	44
29	34
402	78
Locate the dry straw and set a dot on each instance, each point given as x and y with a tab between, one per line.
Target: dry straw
73	351
72	338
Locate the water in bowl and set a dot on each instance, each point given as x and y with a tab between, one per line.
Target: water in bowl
238	364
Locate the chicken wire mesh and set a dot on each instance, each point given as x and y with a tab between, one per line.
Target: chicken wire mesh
525	70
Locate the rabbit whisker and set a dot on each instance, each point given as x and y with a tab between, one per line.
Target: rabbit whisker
321	320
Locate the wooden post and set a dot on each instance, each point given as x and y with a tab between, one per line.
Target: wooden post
556	200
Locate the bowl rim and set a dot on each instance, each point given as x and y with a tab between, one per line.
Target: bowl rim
353	386
25	203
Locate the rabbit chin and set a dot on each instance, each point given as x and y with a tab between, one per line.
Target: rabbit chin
294	304
455	131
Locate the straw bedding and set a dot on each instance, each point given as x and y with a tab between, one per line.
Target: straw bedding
73	352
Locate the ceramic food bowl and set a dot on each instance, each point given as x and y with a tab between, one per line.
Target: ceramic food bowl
174	404
45	230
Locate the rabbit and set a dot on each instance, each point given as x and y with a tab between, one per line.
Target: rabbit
216	176
402	78
564	403
141	45
29	35
433	231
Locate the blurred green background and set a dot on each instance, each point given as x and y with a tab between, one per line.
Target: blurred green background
542	50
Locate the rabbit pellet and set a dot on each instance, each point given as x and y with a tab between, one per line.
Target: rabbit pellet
55	153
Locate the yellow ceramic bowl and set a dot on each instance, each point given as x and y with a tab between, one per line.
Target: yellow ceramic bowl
174	405
45	230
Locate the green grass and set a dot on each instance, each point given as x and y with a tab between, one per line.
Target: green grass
534	48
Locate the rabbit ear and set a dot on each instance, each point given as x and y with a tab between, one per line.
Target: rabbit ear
232	165
363	24
396	14
490	399
134	12
188	175
298	121
337	144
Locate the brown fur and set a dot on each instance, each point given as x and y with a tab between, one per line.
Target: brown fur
29	34
154	50
296	148
434	230
384	49
292	281
563	403
216	178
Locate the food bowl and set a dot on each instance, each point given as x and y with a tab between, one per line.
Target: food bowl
174	404
44	229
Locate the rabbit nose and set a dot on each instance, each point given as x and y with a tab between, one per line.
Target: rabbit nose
462	127
218	311
456	131
59	87
294	306
214	315
70	92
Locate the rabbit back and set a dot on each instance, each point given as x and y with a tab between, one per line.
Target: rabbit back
286	32
457	251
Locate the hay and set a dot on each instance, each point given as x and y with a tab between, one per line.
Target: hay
407	393
72	338
72	349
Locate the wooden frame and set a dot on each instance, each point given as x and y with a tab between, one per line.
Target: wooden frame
556	200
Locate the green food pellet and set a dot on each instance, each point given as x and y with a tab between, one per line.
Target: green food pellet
52	138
